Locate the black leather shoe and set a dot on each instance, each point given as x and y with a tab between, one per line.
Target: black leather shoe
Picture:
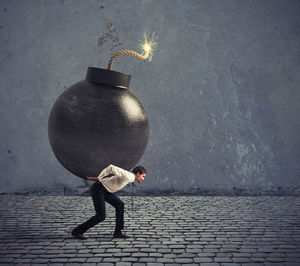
120	235
78	236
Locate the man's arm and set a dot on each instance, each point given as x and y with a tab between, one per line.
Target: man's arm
92	178
122	172
105	172
112	169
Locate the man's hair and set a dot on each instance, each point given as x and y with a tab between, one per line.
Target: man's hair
139	170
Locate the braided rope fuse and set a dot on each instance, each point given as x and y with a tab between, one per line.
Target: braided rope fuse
127	52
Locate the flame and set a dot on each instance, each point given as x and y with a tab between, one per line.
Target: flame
148	46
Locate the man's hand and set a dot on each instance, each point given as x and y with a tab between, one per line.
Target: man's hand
92	178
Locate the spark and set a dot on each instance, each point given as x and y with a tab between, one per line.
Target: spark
148	46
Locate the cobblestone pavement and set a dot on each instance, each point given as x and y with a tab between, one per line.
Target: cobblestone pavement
164	231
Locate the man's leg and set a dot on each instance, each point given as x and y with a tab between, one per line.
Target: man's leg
119	207
97	193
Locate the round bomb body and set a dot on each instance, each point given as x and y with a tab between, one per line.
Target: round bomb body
97	122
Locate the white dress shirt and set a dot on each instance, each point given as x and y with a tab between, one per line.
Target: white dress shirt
119	179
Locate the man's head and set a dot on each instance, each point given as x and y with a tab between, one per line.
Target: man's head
139	173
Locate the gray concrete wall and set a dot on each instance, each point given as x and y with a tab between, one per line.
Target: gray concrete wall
222	90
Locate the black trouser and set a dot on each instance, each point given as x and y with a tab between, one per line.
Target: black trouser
100	195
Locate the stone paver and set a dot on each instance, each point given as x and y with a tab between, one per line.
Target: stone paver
195	230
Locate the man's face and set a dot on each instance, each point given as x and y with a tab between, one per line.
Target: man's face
140	177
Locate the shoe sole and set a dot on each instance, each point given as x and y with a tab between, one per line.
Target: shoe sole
81	238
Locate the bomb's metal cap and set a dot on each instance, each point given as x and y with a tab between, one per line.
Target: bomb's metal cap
108	77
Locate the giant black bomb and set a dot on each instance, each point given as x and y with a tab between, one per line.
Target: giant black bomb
97	122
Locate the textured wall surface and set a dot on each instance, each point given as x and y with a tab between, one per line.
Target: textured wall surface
222	91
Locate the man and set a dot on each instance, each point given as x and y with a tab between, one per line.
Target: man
110	180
